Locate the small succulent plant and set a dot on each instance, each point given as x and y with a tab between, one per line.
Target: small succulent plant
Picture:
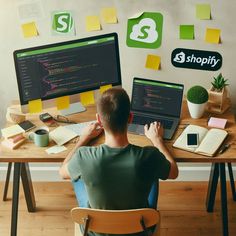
219	83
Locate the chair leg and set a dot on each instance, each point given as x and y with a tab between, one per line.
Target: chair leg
231	177
77	230
86	227
7	181
159	228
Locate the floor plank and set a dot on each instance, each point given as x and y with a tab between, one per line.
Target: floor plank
182	207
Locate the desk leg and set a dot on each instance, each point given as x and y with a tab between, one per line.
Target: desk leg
15	198
212	186
28	187
224	208
231	177
7	181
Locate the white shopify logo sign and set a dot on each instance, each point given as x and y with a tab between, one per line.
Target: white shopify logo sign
196	59
180	57
145	31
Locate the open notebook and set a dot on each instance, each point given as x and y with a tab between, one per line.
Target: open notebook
61	135
209	140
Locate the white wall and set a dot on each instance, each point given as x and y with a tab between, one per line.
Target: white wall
175	12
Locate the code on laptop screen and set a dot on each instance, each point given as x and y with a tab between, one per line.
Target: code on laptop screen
157	97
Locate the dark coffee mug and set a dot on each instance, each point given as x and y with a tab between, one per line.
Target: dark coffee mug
40	137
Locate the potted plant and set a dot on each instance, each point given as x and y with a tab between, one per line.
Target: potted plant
197	98
218	95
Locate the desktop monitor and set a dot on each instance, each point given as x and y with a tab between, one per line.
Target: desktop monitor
67	68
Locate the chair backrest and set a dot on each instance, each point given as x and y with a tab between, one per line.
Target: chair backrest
115	221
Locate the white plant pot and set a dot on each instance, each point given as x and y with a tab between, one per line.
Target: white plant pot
196	110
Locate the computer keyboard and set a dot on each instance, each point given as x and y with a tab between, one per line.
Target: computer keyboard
167	124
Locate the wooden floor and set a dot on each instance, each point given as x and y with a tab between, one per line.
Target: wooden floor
182	206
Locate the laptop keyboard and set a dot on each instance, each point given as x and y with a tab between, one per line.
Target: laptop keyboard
167	124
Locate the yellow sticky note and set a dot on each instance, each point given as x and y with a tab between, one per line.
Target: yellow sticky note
63	102
92	23
105	88
212	35
35	106
153	62
87	98
29	30
109	15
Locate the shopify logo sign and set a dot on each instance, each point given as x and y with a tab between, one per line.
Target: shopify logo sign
180	57
196	59
211	60
145	30
63	23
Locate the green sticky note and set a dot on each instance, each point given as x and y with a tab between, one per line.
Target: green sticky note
92	23
63	102
203	11
153	62
144	30
35	106
186	31
29	30
87	98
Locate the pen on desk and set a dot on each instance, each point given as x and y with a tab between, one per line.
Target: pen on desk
224	148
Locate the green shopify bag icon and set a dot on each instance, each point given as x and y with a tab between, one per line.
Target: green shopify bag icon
145	30
63	23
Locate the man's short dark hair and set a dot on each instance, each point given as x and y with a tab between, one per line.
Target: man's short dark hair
114	109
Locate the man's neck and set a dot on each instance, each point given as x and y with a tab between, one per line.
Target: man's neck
116	140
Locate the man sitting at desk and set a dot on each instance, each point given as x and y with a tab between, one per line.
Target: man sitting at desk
118	175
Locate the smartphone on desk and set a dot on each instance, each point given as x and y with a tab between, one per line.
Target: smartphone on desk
27	125
192	139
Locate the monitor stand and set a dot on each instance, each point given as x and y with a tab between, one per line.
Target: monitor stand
74	108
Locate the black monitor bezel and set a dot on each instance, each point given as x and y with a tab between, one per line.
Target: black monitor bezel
158	81
119	82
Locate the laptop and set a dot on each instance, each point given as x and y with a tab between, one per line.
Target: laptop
154	100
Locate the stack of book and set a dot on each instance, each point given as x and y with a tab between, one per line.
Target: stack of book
13	136
13	142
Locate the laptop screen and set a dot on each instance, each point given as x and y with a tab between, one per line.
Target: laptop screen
157	97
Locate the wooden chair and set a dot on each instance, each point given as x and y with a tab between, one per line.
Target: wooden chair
116	221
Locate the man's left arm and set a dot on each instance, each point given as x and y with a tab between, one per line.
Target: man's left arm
90	132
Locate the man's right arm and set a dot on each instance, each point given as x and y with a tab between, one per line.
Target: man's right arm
155	133
90	132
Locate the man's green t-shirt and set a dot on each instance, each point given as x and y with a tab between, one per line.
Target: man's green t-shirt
118	178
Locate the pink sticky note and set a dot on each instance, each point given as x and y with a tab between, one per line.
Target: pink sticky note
217	122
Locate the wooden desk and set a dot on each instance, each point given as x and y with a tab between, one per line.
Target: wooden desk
30	153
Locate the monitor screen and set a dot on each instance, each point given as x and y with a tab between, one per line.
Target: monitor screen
162	98
67	68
